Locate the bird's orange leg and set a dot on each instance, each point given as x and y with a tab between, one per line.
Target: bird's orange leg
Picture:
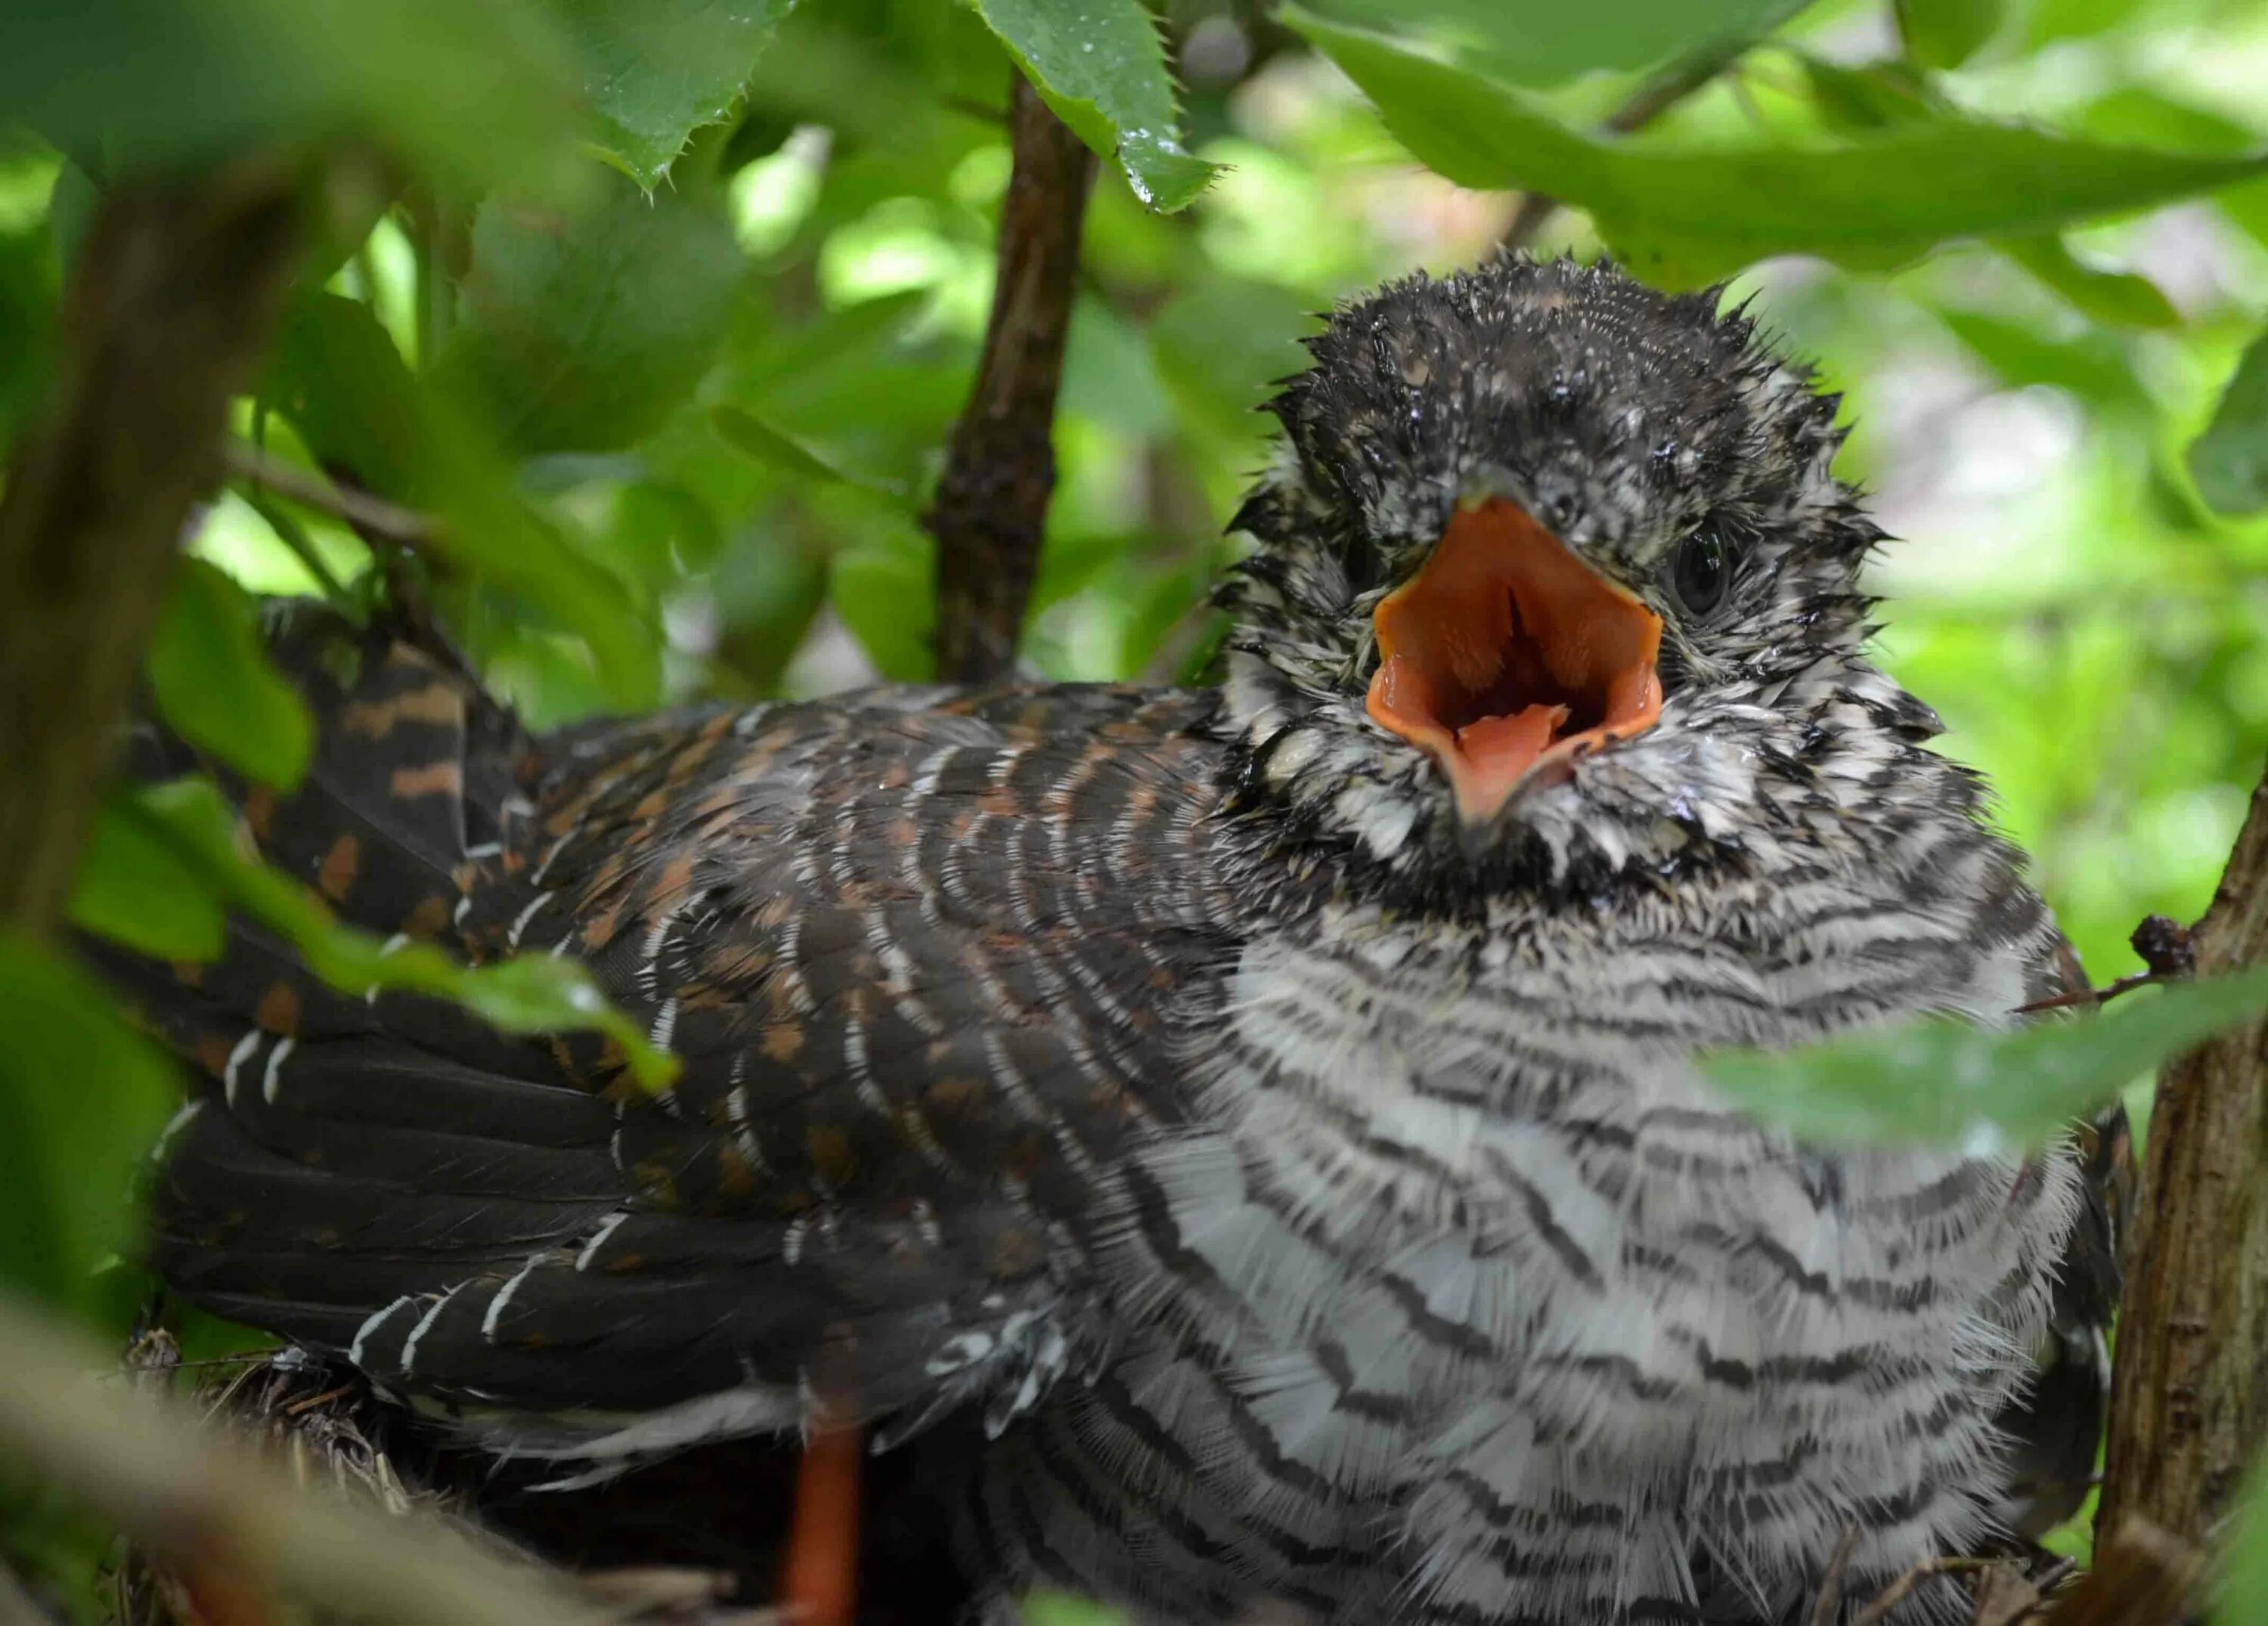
821	1582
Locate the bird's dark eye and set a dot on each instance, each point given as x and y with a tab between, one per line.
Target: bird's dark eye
1699	575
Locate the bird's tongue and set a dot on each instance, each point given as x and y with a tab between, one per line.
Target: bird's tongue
1506	652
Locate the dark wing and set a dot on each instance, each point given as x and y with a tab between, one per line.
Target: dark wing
924	959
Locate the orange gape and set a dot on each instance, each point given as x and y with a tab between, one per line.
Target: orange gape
820	1584
1505	651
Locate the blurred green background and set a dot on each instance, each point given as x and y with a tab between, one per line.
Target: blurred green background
661	311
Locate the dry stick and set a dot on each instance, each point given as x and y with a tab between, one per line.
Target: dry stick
2189	1403
1656	94
372	516
1829	1603
171	301
1898	1590
992	504
142	1463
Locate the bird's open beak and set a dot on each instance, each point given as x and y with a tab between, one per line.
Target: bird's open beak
1507	658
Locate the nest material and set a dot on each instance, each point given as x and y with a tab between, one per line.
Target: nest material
324	1425
626	1544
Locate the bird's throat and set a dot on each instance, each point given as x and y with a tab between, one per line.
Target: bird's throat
1507	658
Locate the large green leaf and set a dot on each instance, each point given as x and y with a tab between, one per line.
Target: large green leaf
581	332
786	452
1685	217
480	90
1540	44
339	379
133	888
82	1096
1945	34
535	993
213	683
1882	95
659	70
1100	66
1954	1083
2229	461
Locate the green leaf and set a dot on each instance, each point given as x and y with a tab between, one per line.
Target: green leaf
2244	1599
215	687
659	70
1542	44
533	994
339	379
580	334
2229	461
1686	216
481	91
1945	34
750	433
1102	68
82	1096
884	588
2117	298
134	889
1954	1083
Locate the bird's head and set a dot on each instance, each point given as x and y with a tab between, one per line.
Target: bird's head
1549	576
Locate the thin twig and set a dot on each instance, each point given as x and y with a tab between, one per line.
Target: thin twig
990	513
1656	94
1830	1601
1898	1590
372	516
2166	951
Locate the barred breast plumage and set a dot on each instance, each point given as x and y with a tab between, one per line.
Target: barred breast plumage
1293	1155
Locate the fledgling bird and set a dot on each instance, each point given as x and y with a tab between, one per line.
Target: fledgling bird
1271	1109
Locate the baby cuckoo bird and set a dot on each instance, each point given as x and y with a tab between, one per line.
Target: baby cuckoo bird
1263	1118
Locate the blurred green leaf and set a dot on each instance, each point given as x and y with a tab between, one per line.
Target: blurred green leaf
884	588
82	1096
1685	217
1869	97
215	687
2091	367
338	377
27	309
581	332
750	433
133	888
1953	1083
1945	34
536	993
1054	1608
2229	461
2243	1590
2116	299
659	70
479	90
1542	44
1102	68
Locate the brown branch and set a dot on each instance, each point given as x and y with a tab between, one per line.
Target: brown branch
170	304
990	510
2189	1403
1656	94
